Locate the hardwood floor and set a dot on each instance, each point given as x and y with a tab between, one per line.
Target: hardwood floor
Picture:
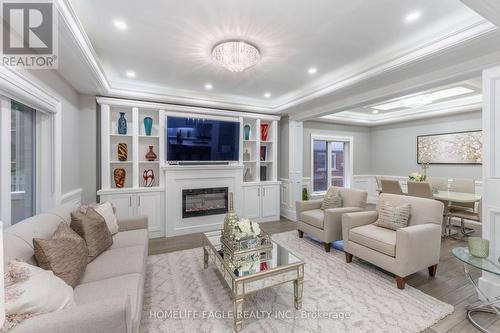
450	284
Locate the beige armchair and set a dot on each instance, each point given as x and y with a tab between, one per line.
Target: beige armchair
327	224
402	252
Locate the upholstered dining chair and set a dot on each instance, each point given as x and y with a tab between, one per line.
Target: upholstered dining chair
403	251
464	186
391	186
474	216
420	189
438	183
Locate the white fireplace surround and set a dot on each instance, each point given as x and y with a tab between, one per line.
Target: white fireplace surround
178	178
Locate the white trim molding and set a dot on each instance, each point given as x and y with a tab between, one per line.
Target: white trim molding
74	197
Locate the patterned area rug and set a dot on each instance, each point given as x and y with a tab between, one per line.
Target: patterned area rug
180	296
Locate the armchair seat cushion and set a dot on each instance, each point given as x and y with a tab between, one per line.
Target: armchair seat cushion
313	217
376	238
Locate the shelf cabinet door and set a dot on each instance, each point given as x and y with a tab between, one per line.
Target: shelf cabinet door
270	200
149	204
123	203
251	202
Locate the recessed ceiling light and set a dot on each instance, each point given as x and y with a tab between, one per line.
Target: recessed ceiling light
312	70
209	86
413	16
120	25
375	111
130	73
267	95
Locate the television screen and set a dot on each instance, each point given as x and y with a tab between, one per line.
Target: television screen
192	139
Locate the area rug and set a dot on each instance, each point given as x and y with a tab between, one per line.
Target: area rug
181	296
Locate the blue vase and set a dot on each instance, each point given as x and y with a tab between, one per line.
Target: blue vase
122	124
148	125
246	131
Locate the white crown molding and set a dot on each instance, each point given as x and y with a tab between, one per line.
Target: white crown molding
369	70
489	9
456	106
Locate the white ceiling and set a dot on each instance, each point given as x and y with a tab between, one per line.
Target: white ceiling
167	44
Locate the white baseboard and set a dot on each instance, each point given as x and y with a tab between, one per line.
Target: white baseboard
289	214
74	196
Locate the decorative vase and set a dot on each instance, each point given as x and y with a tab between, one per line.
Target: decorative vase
151	156
246	155
148	177
119	175
264	128
479	247
148	125
248	175
230	219
122	124
122	151
246	131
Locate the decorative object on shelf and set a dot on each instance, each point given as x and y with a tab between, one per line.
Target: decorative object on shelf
417	177
122	124
450	148
148	125
230	219
246	131
148	177
246	155
122	151
479	247
151	156
235	55
263	173
264	128
248	177
263	153
305	194
119	175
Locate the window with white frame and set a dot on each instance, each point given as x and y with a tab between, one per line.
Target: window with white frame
330	162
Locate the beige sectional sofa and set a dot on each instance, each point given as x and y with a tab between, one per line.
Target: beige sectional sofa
110	295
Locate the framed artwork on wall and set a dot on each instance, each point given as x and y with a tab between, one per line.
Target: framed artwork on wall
450	148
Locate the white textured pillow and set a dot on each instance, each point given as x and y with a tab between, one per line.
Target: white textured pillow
31	290
393	217
332	199
106	211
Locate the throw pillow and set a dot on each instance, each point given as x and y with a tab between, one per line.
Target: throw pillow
65	254
332	199
106	210
30	290
91	226
393	217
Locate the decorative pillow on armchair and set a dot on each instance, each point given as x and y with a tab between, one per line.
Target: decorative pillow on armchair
91	226
332	199
393	217
65	254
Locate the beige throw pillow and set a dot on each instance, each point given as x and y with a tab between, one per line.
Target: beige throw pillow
106	210
393	217
65	254
332	199
91	226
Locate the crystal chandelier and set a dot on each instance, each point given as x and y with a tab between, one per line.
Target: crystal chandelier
236	56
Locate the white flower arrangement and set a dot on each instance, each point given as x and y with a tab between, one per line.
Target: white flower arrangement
417	177
246	229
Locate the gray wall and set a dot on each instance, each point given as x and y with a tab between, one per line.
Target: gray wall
88	148
361	137
394	151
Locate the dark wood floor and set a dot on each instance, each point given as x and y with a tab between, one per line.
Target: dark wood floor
450	284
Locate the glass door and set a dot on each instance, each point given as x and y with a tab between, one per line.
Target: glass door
22	162
337	166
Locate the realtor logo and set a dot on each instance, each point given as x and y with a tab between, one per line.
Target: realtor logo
29	34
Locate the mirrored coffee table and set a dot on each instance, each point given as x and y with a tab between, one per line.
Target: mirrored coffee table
282	268
488	304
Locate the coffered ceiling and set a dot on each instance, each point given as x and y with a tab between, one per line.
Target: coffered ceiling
160	49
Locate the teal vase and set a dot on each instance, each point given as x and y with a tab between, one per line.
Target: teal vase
122	124
148	125
246	131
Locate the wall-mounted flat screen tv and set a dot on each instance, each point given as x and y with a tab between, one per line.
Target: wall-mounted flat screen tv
196	139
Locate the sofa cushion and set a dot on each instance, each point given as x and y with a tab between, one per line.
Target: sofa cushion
116	262
130	238
313	217
91	226
64	211
40	226
65	254
120	286
16	248
376	238
352	197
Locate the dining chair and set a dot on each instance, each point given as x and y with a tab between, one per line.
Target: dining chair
420	189
474	216
464	186
391	186
438	183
